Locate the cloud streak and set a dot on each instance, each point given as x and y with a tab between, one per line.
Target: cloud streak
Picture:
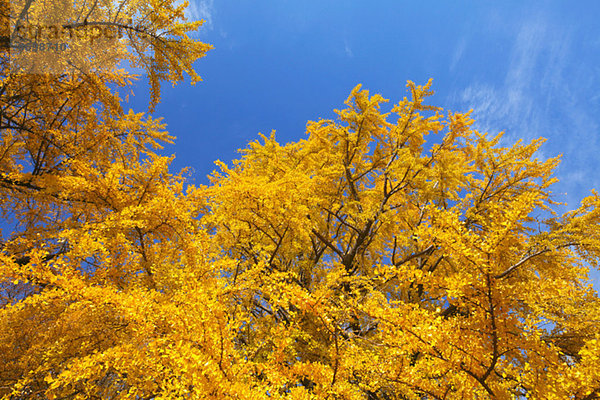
458	54
540	97
201	9
347	49
512	105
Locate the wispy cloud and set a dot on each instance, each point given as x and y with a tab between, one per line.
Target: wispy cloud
201	9
347	48
458	53
511	105
540	97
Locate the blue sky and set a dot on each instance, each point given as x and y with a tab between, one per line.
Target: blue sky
530	68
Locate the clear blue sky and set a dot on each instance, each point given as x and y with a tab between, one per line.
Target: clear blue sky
530	68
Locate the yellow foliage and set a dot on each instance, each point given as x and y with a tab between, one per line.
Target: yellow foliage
394	255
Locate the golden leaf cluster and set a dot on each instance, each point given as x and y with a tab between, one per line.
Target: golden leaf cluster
388	255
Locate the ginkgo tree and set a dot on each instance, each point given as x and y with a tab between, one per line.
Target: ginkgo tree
388	255
369	263
91	213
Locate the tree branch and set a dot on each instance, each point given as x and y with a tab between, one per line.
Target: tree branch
529	257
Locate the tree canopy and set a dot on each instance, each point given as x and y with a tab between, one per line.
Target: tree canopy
388	255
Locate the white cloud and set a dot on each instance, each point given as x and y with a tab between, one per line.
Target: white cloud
542	94
458	53
347	48
201	9
512	106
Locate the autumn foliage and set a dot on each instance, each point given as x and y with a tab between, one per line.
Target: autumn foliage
388	255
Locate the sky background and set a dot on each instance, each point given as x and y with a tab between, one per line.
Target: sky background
530	68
